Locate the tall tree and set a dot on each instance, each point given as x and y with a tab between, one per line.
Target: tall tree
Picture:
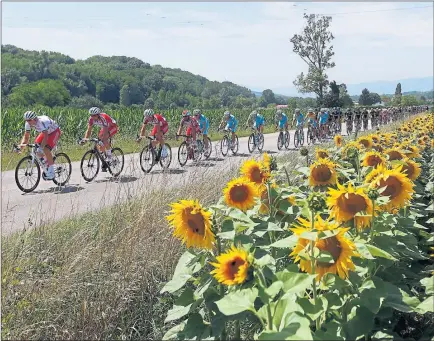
398	95
268	96
314	48
365	97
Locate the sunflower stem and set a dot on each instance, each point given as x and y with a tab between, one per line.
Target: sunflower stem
373	220
312	257
270	209
269	316
221	287
287	176
237	330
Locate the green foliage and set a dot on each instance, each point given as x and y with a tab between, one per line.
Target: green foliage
369	98
409	100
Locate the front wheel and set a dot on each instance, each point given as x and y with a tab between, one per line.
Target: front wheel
260	142
167	158
224	145
117	164
89	165
207	150
183	154
287	139
147	159
235	146
27	174
280	141
251	144
301	137
63	169
296	140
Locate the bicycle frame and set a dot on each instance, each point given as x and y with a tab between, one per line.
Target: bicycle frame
32	152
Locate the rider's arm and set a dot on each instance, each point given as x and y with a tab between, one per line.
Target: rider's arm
88	131
179	129
143	129
26	137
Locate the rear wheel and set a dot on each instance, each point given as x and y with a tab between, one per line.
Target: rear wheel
147	159
89	165
63	169
251	143
117	163
27	174
301	137
207	150
183	154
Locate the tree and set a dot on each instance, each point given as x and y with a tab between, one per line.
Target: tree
292	103
365	97
398	95
85	102
313	46
332	99
423	99
268	96
409	100
149	103
375	98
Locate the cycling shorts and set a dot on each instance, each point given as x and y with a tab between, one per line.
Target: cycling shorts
164	129
189	130
52	139
113	129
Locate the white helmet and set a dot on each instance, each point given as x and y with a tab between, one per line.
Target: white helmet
148	113
94	111
227	113
29	115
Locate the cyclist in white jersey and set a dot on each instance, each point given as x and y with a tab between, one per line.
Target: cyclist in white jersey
49	134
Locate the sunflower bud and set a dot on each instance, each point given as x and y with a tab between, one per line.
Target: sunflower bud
352	152
304	151
316	201
373	194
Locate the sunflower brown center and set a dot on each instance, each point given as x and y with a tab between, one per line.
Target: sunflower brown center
322	173
322	154
239	193
233	266
394	155
332	246
353	204
365	143
256	175
373	160
393	187
196	223
378	148
409	169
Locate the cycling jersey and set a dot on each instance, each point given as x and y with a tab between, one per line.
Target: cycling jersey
190	123
300	119
324	118
43	123
283	122
259	121
203	124
313	122
102	120
232	123
155	119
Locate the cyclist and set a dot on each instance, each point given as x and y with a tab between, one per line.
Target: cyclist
49	134
281	120
256	121
298	117
192	127
323	119
312	121
108	129
365	118
203	124
231	124
161	127
349	120
358	119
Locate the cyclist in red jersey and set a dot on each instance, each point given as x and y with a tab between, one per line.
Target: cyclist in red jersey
108	129
192	125
161	127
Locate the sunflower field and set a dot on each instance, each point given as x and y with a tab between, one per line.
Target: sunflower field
339	248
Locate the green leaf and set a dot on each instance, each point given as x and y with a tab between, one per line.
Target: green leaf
273	227
363	250
428	284
238	301
294	282
274	289
382	336
194	327
177	312
186	298
296	328
309	235
265	260
426	306
172	333
376	252
176	283
313	310
240	215
331	332
334	301
228	230
286	243
325	257
399	299
360	322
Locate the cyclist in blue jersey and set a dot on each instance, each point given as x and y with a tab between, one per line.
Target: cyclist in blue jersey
231	124
323	119
281	120
203	124
256	121
299	117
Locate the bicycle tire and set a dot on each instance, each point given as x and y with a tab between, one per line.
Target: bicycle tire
112	172
261	142
145	151
234	150
38	170
287	139
91	153
251	142
301	136
63	183
296	140
181	148
224	145
169	149
208	151
280	141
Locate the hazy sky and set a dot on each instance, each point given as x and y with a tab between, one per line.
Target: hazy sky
246	43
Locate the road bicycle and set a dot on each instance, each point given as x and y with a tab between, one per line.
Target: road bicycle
33	165
90	162
150	156
226	143
358	125
256	140
206	150
349	126
299	136
365	124
312	134
284	139
186	150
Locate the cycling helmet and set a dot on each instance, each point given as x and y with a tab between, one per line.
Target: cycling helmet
279	112
186	113
254	112
227	113
94	111
29	115
196	112
310	110
148	113
297	111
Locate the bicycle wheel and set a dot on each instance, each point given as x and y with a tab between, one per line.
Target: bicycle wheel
89	166
63	169
147	159
207	150
235	147
260	142
165	161
280	141
224	144
197	155
183	154
301	136
30	175
296	139
287	139
309	137
117	164
251	143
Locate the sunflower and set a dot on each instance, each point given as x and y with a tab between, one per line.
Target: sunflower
412	152
345	203
421	142
349	146
322	173
322	153
377	148
191	223
265	203
373	159
240	193
339	247
411	169
231	267
338	140
398	187
375	138
432	143
292	200
267	161
366	142
255	172
394	154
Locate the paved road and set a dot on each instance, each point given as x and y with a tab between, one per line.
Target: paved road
49	202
